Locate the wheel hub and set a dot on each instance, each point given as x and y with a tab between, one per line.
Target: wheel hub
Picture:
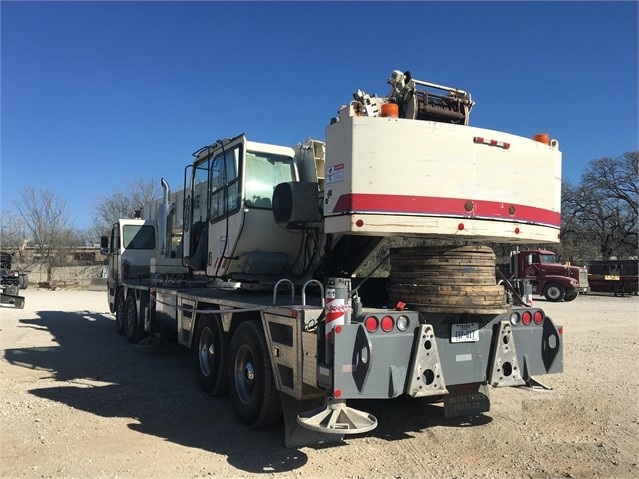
249	373
207	352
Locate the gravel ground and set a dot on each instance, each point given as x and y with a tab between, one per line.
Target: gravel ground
80	401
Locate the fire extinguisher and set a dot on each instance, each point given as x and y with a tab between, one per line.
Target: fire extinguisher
126	268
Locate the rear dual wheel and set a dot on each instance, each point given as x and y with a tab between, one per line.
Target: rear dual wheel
255	399
133	330
212	355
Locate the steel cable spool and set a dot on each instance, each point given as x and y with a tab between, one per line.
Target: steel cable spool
446	279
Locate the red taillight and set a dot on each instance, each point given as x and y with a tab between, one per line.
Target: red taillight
538	317
560	330
526	318
371	324
388	323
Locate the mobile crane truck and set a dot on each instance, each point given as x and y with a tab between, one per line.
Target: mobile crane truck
257	265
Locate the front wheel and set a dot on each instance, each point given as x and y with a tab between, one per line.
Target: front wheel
554	292
119	311
255	399
212	355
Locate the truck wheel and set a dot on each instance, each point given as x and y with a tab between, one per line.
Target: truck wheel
119	311
554	292
570	296
255	399
132	328
23	281
212	355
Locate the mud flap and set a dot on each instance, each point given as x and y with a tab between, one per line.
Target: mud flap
466	400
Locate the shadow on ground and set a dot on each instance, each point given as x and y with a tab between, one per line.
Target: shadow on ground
105	375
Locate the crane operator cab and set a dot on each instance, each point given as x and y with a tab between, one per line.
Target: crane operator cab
229	226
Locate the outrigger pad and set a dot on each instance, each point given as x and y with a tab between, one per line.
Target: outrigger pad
296	435
337	418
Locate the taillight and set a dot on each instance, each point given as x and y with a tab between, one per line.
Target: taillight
538	317
388	323
526	318
514	318
371	323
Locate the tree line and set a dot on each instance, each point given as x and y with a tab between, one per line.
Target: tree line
40	221
600	216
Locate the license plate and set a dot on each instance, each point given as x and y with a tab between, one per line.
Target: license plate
464	333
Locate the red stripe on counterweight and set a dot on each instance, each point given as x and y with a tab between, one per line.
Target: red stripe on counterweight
432	205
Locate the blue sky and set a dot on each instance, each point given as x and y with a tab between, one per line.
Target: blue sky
94	94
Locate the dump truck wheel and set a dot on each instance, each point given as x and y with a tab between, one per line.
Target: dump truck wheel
119	311
212	355
554	292
252	388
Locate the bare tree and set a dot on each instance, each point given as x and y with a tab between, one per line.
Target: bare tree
45	220
13	235
601	213
123	203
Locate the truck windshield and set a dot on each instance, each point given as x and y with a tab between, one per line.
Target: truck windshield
264	171
138	236
547	258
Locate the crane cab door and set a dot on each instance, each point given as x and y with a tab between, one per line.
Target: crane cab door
231	194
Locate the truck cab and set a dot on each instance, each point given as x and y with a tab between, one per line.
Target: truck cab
130	247
555	281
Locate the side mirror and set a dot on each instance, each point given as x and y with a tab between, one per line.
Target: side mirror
529	259
104	245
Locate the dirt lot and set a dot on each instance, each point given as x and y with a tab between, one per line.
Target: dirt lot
77	400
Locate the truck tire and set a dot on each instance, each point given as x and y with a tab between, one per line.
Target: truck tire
211	354
570	296
252	387
23	281
119	311
132	327
554	292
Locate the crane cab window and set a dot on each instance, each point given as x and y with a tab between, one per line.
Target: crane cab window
200	191
224	183
264	171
